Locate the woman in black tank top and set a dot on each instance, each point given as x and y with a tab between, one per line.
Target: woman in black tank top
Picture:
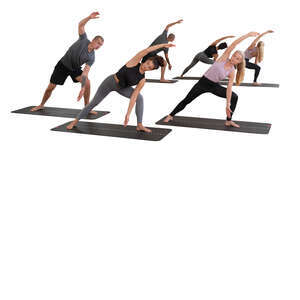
131	74
209	55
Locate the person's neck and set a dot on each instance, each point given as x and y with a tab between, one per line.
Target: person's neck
141	70
229	64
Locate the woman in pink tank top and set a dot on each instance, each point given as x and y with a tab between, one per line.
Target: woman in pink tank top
209	83
255	50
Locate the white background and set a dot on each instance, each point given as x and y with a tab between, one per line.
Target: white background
199	215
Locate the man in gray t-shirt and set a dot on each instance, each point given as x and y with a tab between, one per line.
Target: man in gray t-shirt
80	53
163	38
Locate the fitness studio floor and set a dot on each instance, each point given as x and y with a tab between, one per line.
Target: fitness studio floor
201	214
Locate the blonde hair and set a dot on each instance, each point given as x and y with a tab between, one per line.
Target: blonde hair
239	77
260	52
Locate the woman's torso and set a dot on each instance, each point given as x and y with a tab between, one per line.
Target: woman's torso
218	72
249	53
129	76
210	51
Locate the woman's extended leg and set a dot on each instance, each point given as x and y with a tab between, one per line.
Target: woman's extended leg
191	65
139	107
203	58
220	91
196	91
104	89
255	67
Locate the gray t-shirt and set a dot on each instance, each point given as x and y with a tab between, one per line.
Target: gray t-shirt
161	39
78	54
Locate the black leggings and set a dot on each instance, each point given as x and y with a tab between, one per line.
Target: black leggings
255	67
205	85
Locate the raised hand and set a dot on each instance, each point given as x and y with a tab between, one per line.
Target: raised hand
228	111
94	15
179	21
126	120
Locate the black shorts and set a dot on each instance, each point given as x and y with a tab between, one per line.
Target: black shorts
61	73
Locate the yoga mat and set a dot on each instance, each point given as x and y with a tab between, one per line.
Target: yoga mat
273	85
114	130
187	78
158	81
217	124
225	82
58	112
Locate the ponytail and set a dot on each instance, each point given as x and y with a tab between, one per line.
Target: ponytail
240	74
260	49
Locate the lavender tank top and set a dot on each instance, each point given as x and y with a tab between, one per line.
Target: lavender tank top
217	71
249	53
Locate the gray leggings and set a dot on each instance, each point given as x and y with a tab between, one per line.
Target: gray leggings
109	85
199	57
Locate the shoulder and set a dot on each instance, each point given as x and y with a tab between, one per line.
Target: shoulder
83	36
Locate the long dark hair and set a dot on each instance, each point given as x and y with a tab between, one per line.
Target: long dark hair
157	61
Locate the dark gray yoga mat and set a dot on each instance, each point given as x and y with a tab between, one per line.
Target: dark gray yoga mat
115	130
158	81
225	82
274	85
187	78
217	124
58	112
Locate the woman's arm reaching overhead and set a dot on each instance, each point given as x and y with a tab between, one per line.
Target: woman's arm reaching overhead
221	39
253	44
231	47
138	57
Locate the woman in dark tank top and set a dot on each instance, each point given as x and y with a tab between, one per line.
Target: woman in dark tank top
209	55
131	74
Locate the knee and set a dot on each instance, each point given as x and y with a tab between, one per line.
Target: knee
234	97
140	99
165	63
257	67
50	88
88	83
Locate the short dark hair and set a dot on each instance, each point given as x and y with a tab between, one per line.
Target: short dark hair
222	46
171	35
157	61
98	37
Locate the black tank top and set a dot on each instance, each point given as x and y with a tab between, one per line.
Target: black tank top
209	51
129	76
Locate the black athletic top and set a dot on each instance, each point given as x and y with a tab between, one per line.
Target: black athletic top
129	76
209	51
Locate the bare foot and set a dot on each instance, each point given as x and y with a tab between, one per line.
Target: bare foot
164	80
93	112
231	124
256	83
72	124
168	118
140	127
39	107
